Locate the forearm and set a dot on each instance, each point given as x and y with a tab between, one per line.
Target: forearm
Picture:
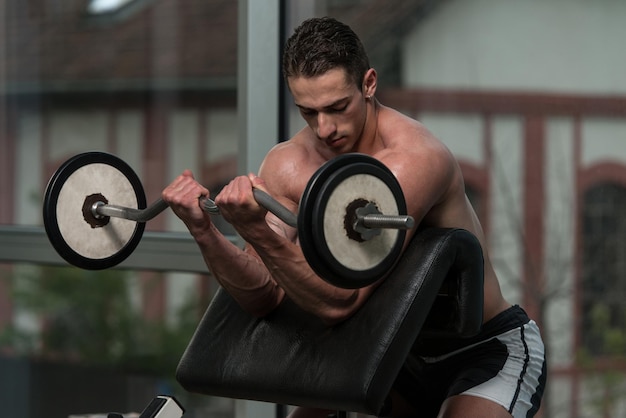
241	273
288	267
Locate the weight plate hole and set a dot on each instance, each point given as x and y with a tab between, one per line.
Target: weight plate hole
350	219
88	214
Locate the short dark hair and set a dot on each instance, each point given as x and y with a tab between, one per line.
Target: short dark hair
322	44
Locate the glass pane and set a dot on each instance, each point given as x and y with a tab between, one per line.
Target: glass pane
136	79
604	267
155	83
113	337
147	82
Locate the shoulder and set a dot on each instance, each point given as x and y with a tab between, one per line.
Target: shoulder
425	168
395	126
288	166
411	148
285	158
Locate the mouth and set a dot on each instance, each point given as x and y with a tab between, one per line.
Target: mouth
334	142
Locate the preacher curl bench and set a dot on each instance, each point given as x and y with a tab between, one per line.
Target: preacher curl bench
291	358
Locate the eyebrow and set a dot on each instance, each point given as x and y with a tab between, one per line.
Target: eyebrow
330	106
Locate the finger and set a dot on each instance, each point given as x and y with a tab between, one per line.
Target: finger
236	195
257	182
189	185
184	187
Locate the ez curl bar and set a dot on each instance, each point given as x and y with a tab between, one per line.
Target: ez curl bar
351	221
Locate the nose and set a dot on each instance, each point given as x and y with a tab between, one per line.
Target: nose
325	126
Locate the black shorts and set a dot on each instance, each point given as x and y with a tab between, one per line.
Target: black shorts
505	363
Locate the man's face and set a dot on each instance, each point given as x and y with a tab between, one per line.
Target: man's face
332	106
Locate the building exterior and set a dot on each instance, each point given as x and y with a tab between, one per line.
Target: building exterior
530	97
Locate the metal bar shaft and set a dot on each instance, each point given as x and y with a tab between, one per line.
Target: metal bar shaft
144	215
372	221
263	199
137	215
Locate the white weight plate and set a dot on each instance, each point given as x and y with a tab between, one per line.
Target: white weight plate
80	236
353	254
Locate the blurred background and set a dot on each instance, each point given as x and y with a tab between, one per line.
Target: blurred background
529	95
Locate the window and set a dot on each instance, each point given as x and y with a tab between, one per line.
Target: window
604	269
106	6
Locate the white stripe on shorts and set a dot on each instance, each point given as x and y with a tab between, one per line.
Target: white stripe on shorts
514	386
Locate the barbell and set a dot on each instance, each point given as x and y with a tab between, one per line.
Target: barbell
351	220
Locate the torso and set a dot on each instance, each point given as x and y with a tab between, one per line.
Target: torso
413	154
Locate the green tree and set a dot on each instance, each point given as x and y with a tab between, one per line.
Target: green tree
89	317
609	343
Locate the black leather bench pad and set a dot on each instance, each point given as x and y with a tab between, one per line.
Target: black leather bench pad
290	357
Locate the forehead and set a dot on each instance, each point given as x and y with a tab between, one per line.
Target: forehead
322	90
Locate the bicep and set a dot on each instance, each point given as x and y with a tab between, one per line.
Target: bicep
278	176
280	227
424	178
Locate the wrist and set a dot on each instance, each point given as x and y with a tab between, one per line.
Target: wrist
257	232
204	234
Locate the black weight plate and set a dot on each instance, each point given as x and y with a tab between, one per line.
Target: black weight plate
327	263
78	241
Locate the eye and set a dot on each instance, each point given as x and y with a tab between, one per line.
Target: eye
339	109
307	112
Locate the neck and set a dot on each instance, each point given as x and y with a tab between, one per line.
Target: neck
370	141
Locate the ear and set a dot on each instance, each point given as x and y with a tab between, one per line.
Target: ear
370	81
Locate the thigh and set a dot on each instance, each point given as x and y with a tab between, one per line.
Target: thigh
302	412
462	406
518	386
401	407
425	383
418	390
